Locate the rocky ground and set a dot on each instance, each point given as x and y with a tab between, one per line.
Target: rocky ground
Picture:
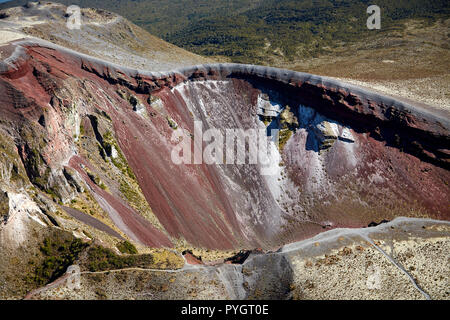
404	259
102	34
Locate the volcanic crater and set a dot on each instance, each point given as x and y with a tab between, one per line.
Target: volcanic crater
349	156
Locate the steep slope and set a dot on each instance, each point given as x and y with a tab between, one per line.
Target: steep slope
352	157
102	34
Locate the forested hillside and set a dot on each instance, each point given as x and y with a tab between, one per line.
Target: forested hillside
264	31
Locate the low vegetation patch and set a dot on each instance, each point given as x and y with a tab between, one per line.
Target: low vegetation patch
103	259
120	161
59	253
126	247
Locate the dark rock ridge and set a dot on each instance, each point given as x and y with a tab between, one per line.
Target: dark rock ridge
352	157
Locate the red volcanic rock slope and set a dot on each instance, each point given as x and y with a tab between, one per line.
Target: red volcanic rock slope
350	156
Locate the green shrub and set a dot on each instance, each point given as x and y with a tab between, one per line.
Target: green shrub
126	247
103	259
58	254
